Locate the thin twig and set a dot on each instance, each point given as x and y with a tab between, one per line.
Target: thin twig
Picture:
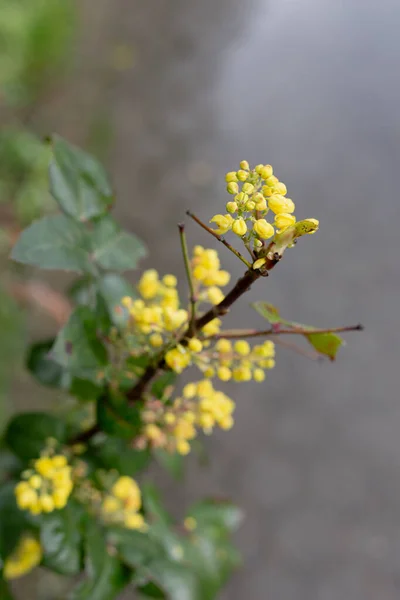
240	333
186	260
220	238
302	351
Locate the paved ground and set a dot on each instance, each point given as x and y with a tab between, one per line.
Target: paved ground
312	87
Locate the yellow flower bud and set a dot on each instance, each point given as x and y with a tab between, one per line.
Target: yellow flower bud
126	301
248	188
35	481
153	432
224	223
242	374
259	263
134	521
214	295
25	557
250	205
266	171
170	280
232	187
231	176
242	175
226	423
241	198
263	229
272	181
189	391
60	498
44	466
258	375
239	227
59	461
195	345
224	373
169	418
244	165
209	372
212	327
111	505
25	496
222	278
280	204
125	487
242	347
156	340
267	191
280	188
224	346
46	503
190	523
183	447
231	207
259	201
284	220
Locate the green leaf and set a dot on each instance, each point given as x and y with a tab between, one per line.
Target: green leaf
135	548
83	291
163	384
113	288
106	575
61	539
5	593
13	521
172	462
27	433
77	347
326	344
176	580
54	242
217	513
78	182
44	369
116	417
153	505
113	248
114	453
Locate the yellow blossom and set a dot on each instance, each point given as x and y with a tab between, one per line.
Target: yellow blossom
263	229
231	207
215	295
169	280
242	175
258	375
266	171
280	204
242	347
195	345
25	557
156	340
223	222
284	220
190	523
231	176
239	227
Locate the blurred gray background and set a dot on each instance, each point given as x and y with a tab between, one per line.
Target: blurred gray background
312	87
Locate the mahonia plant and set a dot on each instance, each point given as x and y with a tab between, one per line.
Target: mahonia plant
73	497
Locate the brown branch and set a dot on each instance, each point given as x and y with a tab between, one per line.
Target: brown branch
241	286
240	333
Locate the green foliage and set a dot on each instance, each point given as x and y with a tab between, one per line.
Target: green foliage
27	433
106	575
326	344
78	183
13	522
61	537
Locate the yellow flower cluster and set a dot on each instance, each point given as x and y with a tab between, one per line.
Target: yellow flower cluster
207	273
45	487
122	504
25	557
256	192
157	313
174	426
